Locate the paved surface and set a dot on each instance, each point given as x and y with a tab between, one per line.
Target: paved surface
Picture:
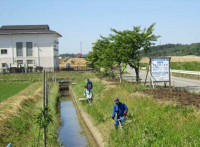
191	85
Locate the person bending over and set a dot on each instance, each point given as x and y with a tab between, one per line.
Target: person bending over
89	84
88	94
121	110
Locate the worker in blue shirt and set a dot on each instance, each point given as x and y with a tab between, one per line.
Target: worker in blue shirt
89	84
121	110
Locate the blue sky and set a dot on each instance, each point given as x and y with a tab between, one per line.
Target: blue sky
177	21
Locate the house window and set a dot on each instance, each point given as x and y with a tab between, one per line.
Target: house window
29	49
4	51
3	65
19	48
19	62
29	61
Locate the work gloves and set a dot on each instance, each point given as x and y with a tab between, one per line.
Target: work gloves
125	113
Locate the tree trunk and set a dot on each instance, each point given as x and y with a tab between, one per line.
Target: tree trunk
137	74
137	70
120	77
120	74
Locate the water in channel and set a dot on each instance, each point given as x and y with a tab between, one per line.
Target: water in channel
71	133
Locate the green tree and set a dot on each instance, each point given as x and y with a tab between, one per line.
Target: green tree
122	48
119	50
102	55
131	42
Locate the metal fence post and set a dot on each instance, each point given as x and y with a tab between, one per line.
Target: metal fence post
43	106
46	89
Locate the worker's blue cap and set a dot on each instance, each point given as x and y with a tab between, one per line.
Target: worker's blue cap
116	100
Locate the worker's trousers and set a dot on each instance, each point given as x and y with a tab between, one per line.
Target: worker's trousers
121	119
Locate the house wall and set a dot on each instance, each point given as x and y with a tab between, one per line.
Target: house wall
56	51
43	49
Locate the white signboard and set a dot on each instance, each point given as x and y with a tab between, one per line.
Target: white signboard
160	69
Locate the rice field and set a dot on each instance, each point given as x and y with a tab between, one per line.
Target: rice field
9	90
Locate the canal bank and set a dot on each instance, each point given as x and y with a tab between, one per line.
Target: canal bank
73	132
88	122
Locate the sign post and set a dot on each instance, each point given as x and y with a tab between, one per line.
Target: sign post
160	70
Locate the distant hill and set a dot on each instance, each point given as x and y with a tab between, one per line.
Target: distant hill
173	50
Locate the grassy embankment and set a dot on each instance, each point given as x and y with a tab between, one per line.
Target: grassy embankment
18	113
148	124
32	77
189	66
21	78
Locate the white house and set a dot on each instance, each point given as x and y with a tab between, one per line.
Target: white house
29	45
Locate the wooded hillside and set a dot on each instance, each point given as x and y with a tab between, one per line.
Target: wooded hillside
173	50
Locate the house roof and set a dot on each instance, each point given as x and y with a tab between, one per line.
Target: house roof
27	29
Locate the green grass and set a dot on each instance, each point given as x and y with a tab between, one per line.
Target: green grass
8	90
22	129
189	66
33	77
144	65
148	123
188	76
19	78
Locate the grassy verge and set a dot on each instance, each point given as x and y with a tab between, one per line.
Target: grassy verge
33	77
188	76
21	128
189	66
148	123
19	78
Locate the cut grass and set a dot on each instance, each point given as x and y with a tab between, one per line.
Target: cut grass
8	90
148	123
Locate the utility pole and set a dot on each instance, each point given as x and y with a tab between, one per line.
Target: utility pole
80	47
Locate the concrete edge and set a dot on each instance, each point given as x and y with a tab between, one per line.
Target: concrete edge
94	131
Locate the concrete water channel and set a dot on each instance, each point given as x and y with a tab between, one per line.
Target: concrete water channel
73	131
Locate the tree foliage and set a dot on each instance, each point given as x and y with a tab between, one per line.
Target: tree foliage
121	48
173	50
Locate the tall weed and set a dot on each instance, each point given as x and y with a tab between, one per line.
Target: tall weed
148	123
